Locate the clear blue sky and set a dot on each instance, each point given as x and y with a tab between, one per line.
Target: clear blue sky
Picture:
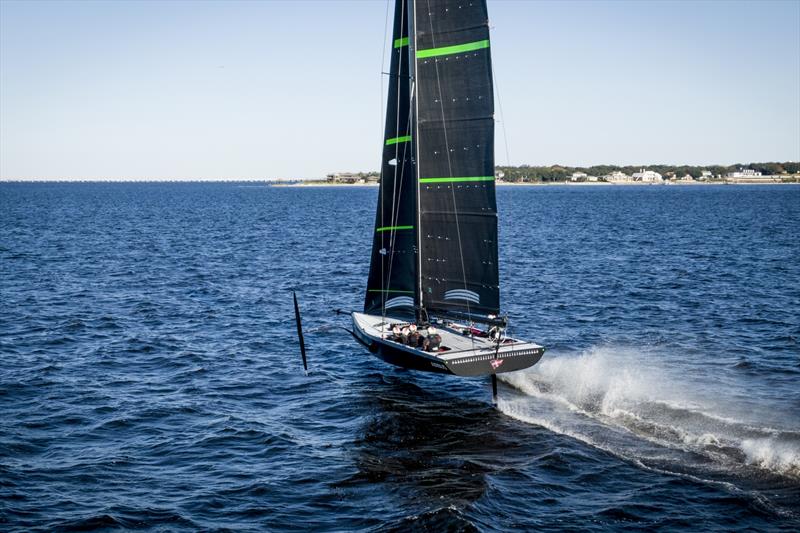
293	88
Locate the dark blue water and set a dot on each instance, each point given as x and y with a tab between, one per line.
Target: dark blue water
150	376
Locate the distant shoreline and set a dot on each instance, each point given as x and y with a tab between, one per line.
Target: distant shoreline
267	183
552	184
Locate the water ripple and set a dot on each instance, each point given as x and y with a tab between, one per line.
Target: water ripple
151	379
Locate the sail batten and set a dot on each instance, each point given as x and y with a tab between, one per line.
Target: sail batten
394	228
454	49
396	140
454	179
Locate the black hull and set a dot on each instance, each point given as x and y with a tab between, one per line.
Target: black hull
398	357
471	365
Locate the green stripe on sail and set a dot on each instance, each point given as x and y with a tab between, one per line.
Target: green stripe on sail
393	228
395	140
450	180
390	290
402	41
447	50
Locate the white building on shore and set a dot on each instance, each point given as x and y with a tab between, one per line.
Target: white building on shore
744	173
617	177
578	176
647	176
353	178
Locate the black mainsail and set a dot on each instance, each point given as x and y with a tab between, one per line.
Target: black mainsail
455	165
435	244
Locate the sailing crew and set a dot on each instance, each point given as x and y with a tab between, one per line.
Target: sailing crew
433	340
422	338
413	336
404	335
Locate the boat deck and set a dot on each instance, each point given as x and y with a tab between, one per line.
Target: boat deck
457	343
465	351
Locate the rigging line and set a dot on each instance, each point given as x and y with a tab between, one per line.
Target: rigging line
395	221
395	199
449	162
396	213
505	135
380	187
383	59
502	118
419	307
395	75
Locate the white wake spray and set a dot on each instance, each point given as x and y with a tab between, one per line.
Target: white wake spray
627	402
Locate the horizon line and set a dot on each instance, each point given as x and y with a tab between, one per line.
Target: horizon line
285	179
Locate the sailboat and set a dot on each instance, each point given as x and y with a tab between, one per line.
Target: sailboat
433	297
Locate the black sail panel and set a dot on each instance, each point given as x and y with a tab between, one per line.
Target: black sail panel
455	144
392	275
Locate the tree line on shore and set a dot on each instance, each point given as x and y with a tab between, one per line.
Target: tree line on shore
557	173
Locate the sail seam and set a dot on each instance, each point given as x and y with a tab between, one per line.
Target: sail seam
456	179
401	42
455	49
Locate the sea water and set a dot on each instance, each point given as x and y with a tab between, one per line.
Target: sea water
151	376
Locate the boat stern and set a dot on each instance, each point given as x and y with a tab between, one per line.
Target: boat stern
507	359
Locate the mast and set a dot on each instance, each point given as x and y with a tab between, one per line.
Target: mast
419	300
